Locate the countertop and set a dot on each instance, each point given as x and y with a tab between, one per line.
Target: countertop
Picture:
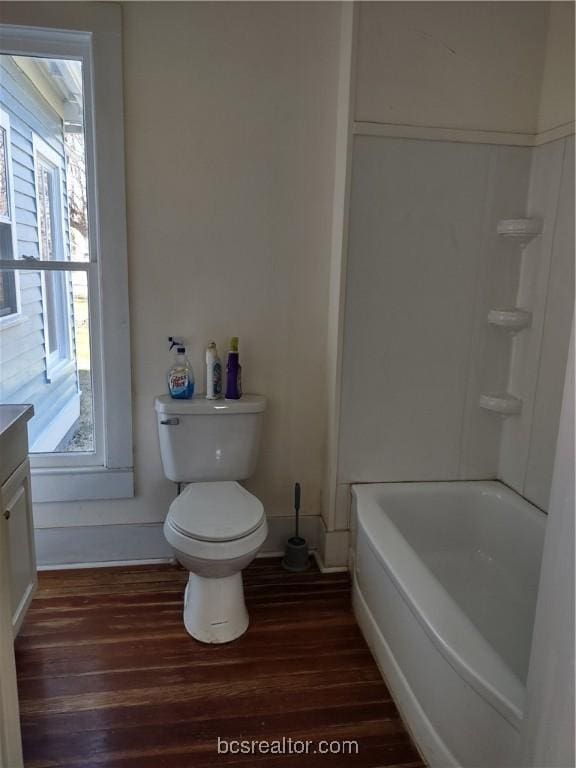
12	415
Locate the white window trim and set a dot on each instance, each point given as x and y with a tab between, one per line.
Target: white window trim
14	317
43	151
92	34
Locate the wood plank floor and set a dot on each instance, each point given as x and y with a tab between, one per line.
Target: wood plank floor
108	676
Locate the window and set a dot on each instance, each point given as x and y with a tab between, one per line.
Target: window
9	298
64	253
51	243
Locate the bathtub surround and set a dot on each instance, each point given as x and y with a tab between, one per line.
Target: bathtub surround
425	265
538	363
429	289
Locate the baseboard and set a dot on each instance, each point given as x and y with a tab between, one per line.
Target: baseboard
91	546
88	545
120	563
333	549
327	568
106	564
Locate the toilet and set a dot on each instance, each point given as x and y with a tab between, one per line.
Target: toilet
214	526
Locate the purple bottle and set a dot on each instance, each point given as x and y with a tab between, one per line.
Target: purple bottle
233	372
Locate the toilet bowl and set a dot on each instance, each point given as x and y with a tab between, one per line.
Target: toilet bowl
215	530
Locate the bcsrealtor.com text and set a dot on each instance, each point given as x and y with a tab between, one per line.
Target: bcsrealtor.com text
287	746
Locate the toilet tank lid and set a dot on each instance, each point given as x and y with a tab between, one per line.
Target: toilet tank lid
199	405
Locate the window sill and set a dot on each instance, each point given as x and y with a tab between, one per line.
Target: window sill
53	484
9	321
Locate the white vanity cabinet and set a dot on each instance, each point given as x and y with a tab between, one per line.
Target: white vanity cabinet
16	510
17	567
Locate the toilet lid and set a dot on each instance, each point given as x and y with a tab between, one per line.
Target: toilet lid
215	511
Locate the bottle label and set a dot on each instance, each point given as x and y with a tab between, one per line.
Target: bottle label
217	379
179	383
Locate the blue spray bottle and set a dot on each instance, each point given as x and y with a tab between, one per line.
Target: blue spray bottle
180	375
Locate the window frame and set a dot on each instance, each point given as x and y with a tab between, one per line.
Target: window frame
92	36
43	154
6	321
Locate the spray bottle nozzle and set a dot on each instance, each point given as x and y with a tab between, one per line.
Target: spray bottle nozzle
175	342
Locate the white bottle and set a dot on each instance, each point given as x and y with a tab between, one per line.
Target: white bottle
213	373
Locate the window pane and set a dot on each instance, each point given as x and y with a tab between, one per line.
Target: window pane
6	248
45	97
7	293
76	186
45	197
83	437
53	295
45	357
4	204
58	381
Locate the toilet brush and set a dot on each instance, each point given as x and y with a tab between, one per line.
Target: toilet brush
296	557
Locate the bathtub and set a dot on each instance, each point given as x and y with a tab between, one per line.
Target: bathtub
445	584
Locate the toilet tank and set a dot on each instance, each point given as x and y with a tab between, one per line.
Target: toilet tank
208	440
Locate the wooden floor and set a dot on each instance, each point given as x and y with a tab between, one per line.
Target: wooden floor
108	676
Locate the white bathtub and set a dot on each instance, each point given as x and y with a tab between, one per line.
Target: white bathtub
445	584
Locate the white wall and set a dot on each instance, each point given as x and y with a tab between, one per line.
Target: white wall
539	355
473	65
230	134
557	96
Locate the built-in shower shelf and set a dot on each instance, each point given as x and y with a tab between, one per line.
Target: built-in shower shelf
512	319
520	230
501	402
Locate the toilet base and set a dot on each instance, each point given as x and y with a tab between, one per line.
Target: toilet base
214	608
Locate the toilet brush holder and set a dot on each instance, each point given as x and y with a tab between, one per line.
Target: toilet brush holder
296	555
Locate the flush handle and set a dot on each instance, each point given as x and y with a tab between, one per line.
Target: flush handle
173	422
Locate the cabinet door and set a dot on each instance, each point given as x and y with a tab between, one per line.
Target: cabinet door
17	510
10	743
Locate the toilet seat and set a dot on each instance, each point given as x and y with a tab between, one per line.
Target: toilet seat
215	512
